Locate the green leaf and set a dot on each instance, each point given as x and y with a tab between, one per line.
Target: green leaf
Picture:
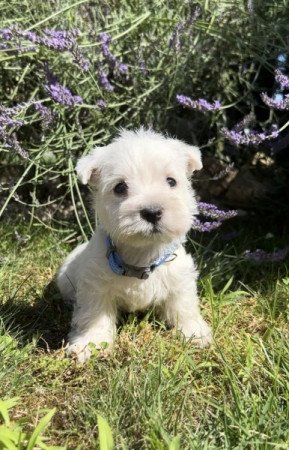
5	405
175	443
8	433
105	434
40	428
7	443
227	285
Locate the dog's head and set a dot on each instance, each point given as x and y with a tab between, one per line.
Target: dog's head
142	187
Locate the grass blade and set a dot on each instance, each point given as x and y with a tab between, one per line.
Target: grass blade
105	434
39	429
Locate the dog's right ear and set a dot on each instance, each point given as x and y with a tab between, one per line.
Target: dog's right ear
88	167
192	155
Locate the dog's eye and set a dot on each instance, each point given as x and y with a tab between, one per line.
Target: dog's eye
171	181
120	188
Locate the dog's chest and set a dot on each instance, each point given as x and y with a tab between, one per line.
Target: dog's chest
133	294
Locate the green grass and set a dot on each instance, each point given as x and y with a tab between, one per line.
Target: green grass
155	391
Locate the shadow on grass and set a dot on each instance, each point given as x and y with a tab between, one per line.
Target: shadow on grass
47	319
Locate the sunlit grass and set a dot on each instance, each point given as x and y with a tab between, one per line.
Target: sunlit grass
154	387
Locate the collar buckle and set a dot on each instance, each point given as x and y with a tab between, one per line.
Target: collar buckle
119	267
142	273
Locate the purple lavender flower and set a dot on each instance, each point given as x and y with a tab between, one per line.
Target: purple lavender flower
200	104
7	117
12	142
212	211
13	35
246	122
9	122
46	114
6	34
57	40
261	256
248	137
281	103
28	35
101	104
282	79
104	82
122	69
84	64
57	92
65	40
205	227
105	40
62	95
13	31
80	59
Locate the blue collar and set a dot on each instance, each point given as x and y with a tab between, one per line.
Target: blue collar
119	267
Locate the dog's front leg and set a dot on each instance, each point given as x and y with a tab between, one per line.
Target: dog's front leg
94	321
182	311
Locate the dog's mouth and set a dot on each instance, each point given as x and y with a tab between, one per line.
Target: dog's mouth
149	233
155	235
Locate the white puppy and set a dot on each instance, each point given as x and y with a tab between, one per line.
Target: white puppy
145	205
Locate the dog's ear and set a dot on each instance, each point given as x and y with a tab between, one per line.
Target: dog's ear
88	167
194	159
192	155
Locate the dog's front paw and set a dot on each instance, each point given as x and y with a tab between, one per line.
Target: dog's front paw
199	331
78	352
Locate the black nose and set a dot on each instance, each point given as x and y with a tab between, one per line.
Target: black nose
151	215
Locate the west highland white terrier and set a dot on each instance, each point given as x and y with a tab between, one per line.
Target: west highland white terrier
144	205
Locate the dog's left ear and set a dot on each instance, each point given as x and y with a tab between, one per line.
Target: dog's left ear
192	155
88	167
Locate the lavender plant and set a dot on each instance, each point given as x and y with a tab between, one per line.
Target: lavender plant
15	37
261	256
212	212
118	67
199	105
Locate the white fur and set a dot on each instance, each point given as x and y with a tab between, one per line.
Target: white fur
144	160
